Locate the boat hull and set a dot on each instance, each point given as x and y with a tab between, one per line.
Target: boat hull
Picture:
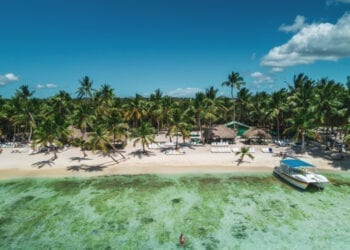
291	180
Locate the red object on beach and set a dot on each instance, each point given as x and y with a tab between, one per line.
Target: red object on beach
182	240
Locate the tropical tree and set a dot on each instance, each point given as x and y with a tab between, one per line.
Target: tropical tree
143	134
302	121
51	131
328	101
276	108
103	101
101	139
156	108
83	119
85	90
235	81
178	125
244	151
24	108
135	110
197	108
244	104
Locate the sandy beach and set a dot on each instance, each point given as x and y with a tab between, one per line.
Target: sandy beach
19	162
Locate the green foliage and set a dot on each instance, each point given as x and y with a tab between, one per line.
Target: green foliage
301	110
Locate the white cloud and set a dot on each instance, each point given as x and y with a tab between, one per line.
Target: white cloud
50	85
183	92
298	24
7	78
322	41
256	74
261	78
46	86
276	69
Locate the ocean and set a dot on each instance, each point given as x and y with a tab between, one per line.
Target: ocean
216	211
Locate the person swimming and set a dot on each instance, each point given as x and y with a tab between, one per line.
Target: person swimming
182	239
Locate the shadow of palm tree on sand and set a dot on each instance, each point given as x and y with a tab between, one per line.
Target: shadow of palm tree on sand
41	164
140	154
86	168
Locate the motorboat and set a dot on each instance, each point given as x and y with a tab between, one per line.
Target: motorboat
300	173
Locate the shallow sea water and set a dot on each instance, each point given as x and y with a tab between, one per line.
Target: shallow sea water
223	211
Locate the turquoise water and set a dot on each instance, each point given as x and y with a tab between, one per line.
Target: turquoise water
228	211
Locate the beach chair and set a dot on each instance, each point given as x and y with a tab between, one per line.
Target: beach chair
251	150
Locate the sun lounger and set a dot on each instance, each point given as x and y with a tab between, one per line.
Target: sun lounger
154	145
174	152
251	150
220	150
266	150
235	150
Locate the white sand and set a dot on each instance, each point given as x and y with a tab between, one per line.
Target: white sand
197	159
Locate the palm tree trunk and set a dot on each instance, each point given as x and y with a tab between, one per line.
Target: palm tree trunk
116	151
303	142
83	143
30	133
278	128
114	159
53	151
177	140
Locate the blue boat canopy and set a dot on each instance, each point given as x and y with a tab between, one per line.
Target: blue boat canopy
296	163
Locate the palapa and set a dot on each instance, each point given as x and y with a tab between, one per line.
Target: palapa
257	133
219	132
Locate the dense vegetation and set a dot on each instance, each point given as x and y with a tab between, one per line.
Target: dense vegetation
301	110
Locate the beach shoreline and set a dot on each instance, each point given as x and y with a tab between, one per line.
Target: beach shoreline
20	163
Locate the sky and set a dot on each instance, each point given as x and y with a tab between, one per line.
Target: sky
178	46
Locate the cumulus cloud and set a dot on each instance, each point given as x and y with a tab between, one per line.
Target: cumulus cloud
319	41
46	86
298	24
261	78
7	78
183	92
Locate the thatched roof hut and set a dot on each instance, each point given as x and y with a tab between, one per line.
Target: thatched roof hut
257	133
219	132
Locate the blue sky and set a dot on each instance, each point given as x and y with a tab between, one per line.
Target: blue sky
179	46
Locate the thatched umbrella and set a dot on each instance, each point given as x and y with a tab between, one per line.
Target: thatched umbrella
256	133
218	132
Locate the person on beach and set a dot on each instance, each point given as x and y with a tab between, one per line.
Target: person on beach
182	239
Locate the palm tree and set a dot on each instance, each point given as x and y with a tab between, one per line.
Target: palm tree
277	106
243	104
23	94
50	131
243	152
144	134
178	125
82	119
199	110
303	119
156	109
235	81
328	101
135	110
85	89
101	140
